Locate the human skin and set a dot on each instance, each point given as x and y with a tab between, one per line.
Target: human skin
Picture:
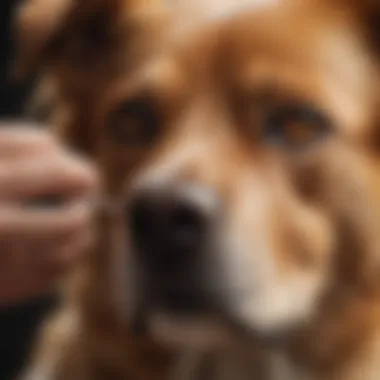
46	210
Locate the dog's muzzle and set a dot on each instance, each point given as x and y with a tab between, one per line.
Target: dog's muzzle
171	229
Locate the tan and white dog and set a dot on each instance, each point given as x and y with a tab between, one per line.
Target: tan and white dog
239	148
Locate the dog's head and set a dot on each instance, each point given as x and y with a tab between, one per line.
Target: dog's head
241	137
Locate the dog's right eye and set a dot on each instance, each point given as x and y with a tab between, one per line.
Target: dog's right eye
134	123
296	127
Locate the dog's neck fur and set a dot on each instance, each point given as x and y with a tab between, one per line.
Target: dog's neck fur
342	344
344	340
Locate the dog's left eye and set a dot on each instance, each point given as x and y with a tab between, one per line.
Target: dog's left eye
295	127
134	123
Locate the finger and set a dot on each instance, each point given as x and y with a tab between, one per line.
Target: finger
22	140
60	252
21	277
14	291
11	256
67	256
36	267
22	223
40	253
65	176
76	247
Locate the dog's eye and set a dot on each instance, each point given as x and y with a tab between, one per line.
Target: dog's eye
295	127
134	123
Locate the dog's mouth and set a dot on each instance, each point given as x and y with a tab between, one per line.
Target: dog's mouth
201	331
180	299
178	310
183	316
186	315
183	302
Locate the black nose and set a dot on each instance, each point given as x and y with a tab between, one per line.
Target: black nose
169	231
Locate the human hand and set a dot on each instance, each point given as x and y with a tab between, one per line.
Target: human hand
45	210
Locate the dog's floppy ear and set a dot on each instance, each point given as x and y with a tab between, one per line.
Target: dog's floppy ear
368	14
77	44
364	16
81	29
36	25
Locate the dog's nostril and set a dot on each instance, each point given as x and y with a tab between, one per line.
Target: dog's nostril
167	232
187	226
143	220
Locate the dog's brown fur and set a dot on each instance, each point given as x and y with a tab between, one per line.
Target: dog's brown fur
327	199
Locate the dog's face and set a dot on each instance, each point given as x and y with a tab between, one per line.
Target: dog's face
242	142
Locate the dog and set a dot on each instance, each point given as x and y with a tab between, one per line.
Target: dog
238	146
